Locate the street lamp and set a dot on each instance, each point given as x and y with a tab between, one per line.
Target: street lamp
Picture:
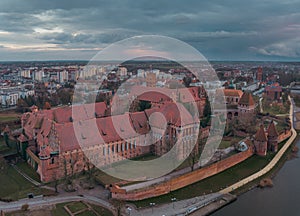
173	200
129	210
152	205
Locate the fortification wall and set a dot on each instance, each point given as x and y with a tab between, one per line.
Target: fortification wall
181	181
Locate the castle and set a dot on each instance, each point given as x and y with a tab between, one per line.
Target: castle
52	146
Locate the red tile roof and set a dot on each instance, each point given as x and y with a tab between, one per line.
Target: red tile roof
247	99
79	112
155	97
261	135
177	114
140	122
229	93
274	88
272	132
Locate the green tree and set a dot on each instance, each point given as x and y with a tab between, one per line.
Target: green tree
22	106
143	105
6	138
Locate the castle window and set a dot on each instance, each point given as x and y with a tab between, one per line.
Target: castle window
52	161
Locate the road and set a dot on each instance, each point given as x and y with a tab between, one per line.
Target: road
46	201
260	105
273	162
176	208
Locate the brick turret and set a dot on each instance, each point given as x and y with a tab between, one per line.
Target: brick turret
261	142
272	138
246	107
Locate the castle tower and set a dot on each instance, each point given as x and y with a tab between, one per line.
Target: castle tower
246	107
261	142
272	138
259	75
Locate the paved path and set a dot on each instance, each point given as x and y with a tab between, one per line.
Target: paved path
46	201
273	162
260	105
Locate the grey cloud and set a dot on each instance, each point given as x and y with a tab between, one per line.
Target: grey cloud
289	48
221	29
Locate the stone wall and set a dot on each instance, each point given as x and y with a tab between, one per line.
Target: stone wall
181	181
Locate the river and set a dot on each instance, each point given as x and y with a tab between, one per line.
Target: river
282	199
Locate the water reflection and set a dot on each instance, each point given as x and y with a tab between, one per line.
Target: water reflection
282	199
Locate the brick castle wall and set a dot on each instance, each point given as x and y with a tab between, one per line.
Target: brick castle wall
283	136
181	181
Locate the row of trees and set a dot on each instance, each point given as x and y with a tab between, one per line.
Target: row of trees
45	101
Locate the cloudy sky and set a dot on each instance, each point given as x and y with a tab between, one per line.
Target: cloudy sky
220	30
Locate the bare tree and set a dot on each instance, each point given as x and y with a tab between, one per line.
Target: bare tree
118	205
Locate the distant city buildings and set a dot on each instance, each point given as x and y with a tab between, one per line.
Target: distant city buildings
9	95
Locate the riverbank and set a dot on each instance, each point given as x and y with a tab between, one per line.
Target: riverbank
271	174
270	170
214	206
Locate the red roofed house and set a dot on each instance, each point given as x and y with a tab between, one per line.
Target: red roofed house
273	92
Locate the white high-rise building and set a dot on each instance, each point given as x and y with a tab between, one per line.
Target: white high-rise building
25	73
62	76
38	75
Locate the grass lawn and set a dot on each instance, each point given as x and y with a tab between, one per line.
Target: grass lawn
145	157
101	211
4	150
59	210
8	118
275	110
14	186
105	179
3	146
28	170
76	206
214	183
87	213
225	144
280	125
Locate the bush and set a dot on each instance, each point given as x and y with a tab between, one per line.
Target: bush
25	207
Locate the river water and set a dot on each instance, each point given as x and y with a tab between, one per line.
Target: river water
282	199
